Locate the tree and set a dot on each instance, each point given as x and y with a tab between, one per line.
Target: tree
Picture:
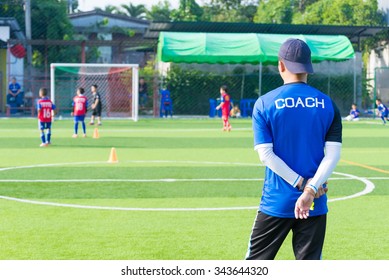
230	10
49	20
226	4
341	12
303	4
13	9
188	10
109	9
160	12
274	11
135	11
72	6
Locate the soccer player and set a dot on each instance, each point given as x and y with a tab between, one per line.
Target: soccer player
225	106
96	106
142	92
45	110
298	135
354	113
382	110
80	105
167	103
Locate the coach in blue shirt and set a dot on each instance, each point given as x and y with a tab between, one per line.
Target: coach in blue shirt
298	135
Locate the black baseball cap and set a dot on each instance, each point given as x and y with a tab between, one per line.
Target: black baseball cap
296	55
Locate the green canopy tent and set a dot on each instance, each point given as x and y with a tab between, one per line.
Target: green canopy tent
242	48
186	47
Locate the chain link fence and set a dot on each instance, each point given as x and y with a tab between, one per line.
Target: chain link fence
381	84
194	88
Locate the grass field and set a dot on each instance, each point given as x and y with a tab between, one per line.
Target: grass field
182	190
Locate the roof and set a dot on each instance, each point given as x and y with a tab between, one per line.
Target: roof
93	19
16	31
353	33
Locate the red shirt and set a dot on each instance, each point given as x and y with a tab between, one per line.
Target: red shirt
226	104
45	108
80	104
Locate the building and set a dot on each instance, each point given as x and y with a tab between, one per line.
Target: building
125	35
11	62
378	63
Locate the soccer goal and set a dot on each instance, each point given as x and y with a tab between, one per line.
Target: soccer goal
117	85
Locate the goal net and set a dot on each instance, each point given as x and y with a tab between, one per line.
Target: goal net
117	85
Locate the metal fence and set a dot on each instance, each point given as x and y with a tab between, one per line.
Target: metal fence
381	84
194	88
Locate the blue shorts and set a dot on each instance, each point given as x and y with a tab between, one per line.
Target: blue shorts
44	125
79	119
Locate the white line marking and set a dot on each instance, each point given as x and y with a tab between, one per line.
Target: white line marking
124	208
164	180
369	187
129	161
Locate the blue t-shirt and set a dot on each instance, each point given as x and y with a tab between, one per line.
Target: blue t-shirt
383	109
14	87
297	119
354	113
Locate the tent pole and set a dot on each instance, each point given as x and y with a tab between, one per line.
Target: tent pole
260	80
242	85
329	84
355	79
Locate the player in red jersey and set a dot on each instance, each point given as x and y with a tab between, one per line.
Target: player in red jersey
45	110
225	106
80	105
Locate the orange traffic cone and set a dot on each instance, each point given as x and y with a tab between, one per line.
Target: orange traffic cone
96	133
113	157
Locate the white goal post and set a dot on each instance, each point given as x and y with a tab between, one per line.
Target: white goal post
117	84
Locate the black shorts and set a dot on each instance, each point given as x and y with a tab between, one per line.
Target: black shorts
269	233
96	112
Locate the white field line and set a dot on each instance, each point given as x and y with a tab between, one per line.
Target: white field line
150	130
130	161
369	187
163	180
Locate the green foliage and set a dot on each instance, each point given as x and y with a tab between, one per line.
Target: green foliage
149	69
188	10
274	11
49	20
341	12
110	9
330	12
11	8
367	90
229	11
135	11
191	89
160	12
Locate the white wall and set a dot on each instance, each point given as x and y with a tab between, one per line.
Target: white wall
15	69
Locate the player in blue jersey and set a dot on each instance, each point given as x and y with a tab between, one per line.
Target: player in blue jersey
382	110
298	135
354	113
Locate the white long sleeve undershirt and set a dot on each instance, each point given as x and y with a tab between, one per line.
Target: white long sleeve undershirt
277	165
